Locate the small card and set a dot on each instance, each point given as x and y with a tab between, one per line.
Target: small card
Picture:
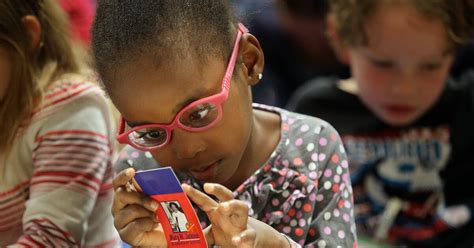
176	214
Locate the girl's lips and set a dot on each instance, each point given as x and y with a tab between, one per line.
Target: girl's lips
204	174
399	109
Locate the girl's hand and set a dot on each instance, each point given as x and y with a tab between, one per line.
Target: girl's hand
134	214
230	224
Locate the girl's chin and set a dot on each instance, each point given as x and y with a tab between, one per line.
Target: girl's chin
398	121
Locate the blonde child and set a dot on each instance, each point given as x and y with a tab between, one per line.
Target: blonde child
406	126
279	179
55	145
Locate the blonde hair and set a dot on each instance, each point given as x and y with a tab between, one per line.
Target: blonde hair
350	17
34	69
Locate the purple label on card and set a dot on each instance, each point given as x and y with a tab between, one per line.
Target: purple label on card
158	181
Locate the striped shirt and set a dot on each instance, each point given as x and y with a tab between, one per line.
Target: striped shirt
56	188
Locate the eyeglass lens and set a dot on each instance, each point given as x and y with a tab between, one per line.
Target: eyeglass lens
199	116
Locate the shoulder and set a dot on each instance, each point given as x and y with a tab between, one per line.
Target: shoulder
69	94
309	140
73	103
298	125
314	93
302	135
70	89
75	86
325	99
306	126
318	87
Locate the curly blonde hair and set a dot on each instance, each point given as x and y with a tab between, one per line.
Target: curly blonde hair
350	17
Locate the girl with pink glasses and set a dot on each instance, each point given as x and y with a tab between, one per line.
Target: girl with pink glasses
180	74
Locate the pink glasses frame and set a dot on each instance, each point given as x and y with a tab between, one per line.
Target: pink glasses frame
217	100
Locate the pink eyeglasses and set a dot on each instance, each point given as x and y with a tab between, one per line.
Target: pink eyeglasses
198	116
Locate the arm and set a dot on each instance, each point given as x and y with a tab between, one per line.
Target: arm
331	203
72	170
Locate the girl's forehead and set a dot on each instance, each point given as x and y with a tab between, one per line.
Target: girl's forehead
143	89
403	23
403	14
173	68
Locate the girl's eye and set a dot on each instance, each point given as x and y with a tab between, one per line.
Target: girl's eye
382	64
151	136
199	114
431	66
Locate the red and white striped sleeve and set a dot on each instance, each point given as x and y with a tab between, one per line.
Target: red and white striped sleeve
70	187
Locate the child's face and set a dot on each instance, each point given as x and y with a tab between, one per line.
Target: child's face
402	71
174	208
5	71
148	93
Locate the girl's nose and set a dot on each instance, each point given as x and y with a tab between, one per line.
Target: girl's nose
186	145
404	86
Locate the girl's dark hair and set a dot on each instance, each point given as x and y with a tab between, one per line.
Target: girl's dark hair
351	15
123	30
307	8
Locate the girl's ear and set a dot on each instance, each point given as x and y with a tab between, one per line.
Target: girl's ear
252	58
33	29
335	41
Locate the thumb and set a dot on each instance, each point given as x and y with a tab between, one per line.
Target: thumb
209	236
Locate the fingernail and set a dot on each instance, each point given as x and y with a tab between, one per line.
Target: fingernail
209	186
225	206
129	172
236	240
185	186
154	205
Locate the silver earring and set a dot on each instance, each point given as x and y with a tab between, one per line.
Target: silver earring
260	76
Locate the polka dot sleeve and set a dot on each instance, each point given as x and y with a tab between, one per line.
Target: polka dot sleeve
332	222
